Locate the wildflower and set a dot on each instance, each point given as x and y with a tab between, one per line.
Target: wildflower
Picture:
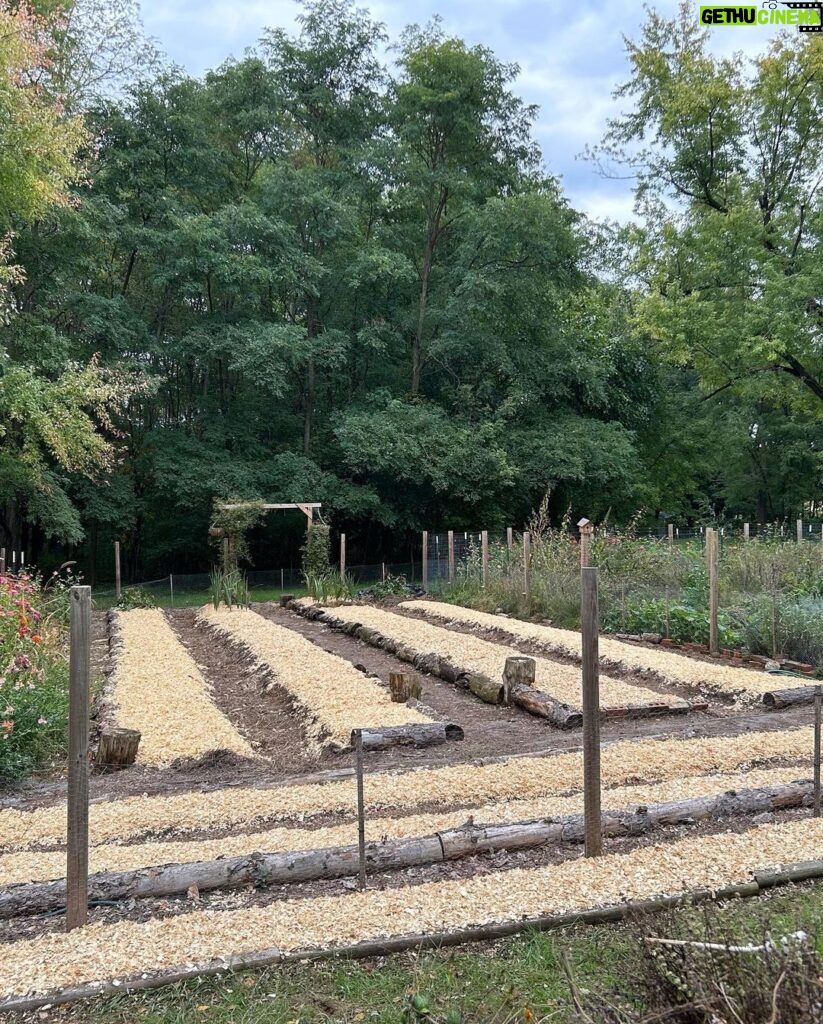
8	725
36	638
23	631
42	721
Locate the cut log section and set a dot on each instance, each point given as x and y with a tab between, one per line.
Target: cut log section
790	697
342	861
486	689
415	734
536	702
117	748
402	688
517	672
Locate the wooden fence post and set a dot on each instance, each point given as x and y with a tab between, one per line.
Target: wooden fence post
590	623
425	560
342	555
586	528
799	530
117	570
745	531
451	555
526	559
77	833
509	539
671	535
818	704
711	559
361	806
484	556
2	559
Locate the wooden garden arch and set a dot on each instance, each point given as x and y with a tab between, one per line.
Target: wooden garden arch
306	507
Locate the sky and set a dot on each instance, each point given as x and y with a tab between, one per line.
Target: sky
571	57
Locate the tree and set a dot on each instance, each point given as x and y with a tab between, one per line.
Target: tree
729	163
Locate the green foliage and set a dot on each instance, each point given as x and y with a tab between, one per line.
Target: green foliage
330	586
229	587
315	551
135	597
33	676
391	586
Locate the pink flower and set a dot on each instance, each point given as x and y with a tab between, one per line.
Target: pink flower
42	721
7	725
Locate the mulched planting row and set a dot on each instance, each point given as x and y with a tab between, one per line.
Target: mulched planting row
677	669
563	682
103	951
333	695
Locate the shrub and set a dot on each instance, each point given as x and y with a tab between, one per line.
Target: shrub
315	550
33	675
136	597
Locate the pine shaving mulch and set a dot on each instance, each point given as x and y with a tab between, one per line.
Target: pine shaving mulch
516	779
335	696
159	690
668	665
103	951
24	867
563	682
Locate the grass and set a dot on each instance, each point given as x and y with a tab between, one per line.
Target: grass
198	598
517	980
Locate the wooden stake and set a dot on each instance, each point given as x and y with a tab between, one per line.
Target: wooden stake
590	622
526	559
451	555
799	530
671	536
117	570
711	558
361	806
384	571
2	559
745	531
171	589
425	560
342	555
509	538
818	705
77	839
282	585
484	556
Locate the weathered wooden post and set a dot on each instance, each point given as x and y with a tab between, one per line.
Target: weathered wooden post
590	624
799	530
818	705
510	539
671	536
711	559
517	671
484	557
171	590
451	555
342	555
361	806
425	560
77	829
117	571
586	528
2	559
526	559
745	531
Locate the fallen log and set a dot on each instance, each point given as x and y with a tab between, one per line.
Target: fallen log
342	861
536	702
486	689
790	697
416	734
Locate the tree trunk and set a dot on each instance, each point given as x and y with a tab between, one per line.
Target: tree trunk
418	734
402	688
486	689
536	702
517	672
790	697
117	748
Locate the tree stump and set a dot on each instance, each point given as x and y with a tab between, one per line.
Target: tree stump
402	688
517	672
117	748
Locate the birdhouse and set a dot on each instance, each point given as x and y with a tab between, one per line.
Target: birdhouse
586	526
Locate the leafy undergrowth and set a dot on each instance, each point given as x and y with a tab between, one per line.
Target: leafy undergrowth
33	673
579	974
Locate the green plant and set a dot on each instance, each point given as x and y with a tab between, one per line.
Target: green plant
33	676
391	586
136	597
229	588
315	551
330	586
231	520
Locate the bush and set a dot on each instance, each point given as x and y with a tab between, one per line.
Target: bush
33	675
135	597
315	551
